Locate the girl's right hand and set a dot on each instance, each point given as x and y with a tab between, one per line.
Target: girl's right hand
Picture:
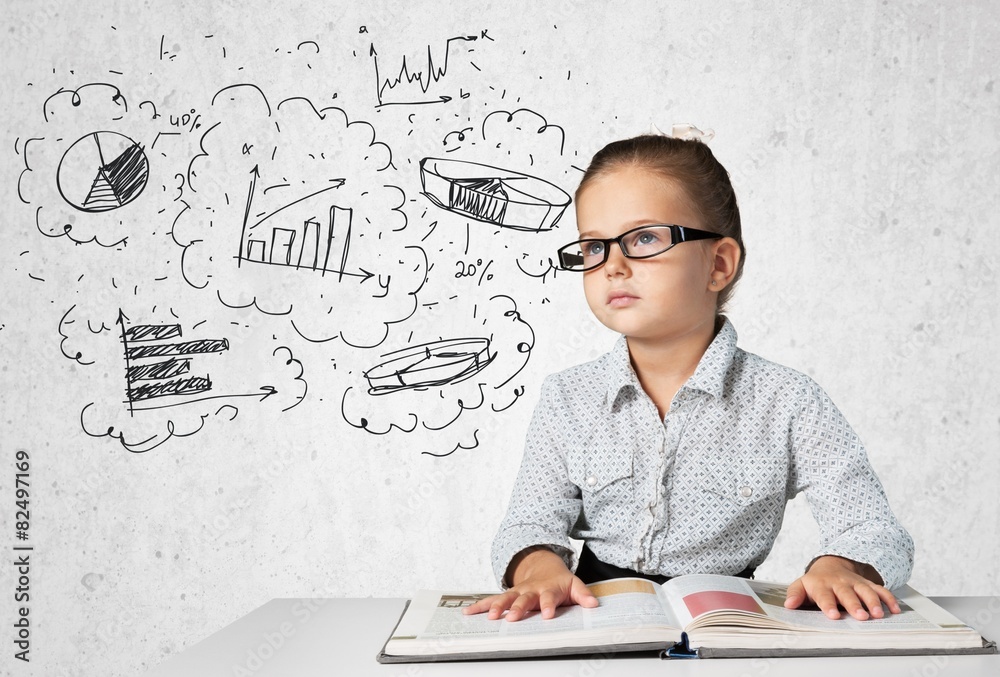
541	581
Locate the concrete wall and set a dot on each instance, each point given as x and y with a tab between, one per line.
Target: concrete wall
863	143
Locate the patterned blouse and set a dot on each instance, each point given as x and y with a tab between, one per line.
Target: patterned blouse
704	489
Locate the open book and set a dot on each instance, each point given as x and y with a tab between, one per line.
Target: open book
690	616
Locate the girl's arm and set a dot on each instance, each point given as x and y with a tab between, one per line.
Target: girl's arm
531	554
864	550
544	504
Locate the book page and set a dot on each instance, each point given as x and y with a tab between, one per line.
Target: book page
772	598
723	611
624	603
435	619
730	599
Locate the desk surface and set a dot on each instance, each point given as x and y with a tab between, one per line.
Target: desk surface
305	637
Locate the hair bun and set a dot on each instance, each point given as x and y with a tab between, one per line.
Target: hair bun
686	132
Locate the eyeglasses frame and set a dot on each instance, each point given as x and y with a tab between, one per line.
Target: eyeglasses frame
678	234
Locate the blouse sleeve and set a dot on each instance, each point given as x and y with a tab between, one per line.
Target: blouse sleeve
544	504
830	464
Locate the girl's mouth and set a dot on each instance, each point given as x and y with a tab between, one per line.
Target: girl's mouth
621	299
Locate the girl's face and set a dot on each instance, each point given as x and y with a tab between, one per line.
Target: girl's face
659	298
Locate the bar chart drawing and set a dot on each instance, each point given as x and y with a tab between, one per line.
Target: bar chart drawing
310	233
148	376
314	245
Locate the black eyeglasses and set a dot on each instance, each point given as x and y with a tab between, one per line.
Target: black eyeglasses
639	243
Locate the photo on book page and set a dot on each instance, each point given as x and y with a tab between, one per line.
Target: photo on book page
460	601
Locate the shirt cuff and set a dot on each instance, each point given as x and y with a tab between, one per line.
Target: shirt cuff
514	540
894	566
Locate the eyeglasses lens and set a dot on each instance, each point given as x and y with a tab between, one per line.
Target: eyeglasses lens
647	241
640	243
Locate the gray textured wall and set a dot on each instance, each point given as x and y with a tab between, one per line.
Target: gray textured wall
863	143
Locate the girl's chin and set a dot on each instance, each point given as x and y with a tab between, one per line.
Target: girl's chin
630	329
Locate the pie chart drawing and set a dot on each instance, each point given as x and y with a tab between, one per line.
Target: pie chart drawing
502	197
102	171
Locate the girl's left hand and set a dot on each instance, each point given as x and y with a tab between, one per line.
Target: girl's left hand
833	579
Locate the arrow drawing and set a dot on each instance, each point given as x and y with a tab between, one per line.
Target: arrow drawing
263	393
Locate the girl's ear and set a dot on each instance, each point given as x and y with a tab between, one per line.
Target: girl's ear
725	261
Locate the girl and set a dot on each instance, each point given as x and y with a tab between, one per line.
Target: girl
676	452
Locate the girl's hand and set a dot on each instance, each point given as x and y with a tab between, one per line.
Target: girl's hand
833	579
542	581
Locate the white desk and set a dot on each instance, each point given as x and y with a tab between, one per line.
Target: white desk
340	638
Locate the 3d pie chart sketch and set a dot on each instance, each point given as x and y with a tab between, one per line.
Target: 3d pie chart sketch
499	196
430	364
102	171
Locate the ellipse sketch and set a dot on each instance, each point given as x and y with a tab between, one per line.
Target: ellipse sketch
430	364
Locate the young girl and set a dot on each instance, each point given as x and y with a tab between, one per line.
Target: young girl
676	452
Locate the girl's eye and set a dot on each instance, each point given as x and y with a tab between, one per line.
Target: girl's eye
645	239
593	248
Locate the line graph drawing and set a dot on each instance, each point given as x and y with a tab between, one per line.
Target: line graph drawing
427	75
430	364
503	197
102	171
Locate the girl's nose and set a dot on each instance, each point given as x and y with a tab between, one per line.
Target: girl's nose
617	263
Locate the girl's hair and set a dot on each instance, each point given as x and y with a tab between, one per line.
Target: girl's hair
694	168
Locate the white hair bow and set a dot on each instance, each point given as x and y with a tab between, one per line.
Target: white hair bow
686	132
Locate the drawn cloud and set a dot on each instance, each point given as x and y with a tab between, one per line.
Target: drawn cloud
293	211
94	170
155	375
423	388
523	143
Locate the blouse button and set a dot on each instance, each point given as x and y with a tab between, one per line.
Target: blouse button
591	481
746	492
